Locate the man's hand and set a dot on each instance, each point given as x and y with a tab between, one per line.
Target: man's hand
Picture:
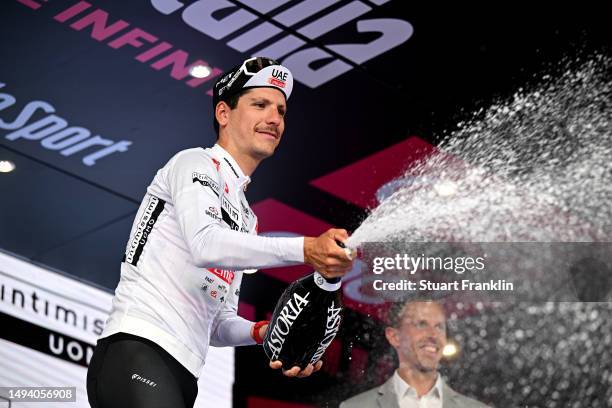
295	371
324	254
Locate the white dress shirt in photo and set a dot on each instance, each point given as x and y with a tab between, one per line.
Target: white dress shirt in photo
407	396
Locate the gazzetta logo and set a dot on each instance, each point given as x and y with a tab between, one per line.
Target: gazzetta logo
199	15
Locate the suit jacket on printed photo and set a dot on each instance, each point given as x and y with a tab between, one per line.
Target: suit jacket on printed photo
384	396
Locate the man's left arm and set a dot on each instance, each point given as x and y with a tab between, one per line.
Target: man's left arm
228	328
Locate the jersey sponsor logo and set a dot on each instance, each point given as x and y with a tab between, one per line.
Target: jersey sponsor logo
209	279
206	181
213	294
225	275
231	167
229	208
228	220
143	229
213	213
245	209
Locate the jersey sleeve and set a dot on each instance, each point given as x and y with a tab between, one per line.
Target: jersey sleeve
228	328
194	186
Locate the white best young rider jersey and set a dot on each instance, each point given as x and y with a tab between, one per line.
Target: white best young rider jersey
193	235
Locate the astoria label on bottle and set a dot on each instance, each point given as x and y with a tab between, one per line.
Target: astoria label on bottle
306	320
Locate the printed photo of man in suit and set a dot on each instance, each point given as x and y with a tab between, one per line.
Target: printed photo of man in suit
417	332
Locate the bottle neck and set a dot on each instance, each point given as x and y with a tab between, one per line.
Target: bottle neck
330	285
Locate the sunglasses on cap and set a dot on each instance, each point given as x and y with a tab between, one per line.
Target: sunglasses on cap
249	67
256	64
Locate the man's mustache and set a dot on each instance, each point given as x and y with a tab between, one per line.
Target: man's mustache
272	130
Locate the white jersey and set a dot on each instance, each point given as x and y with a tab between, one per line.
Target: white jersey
193	236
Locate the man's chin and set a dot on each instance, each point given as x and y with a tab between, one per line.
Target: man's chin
428	366
264	152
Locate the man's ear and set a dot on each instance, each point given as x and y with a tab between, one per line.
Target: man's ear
222	113
392	337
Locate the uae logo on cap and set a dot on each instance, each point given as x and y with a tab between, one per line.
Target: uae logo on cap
278	78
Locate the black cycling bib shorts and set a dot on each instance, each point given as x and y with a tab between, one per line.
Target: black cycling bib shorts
130	371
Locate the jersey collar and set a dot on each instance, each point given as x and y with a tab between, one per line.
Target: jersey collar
241	179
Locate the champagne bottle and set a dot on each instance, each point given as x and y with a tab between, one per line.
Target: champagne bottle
306	319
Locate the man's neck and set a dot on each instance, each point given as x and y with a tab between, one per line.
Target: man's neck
421	381
247	163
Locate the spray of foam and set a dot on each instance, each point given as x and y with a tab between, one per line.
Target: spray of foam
537	167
